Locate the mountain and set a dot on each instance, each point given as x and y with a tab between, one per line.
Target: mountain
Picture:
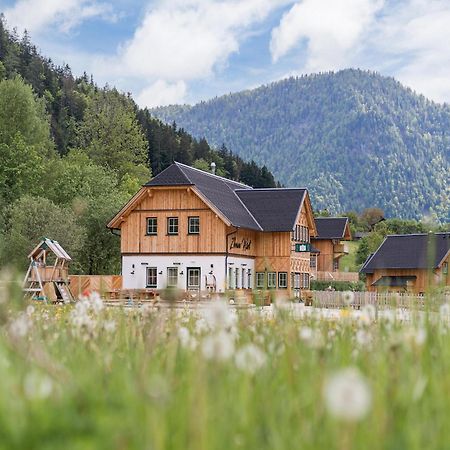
354	138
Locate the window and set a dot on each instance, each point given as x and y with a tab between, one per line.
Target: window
306	280
152	277
172	225
243	278
230	278
445	268
271	280
335	264
172	276
297	281
236	278
152	226
194	225
193	278
312	261
282	280
260	280
249	279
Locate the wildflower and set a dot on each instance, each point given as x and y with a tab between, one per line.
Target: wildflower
444	310
368	314
348	395
186	340
20	326
348	297
219	316
250	358
37	386
96	302
30	310
312	337
363	338
219	346
109	326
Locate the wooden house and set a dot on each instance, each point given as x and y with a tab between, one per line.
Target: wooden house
328	246
409	263
193	230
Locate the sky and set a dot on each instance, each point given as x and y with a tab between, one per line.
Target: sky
186	51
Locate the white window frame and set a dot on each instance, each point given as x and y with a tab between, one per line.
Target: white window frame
282	285
243	278
172	228
172	280
236	278
194	225
260	278
154	226
271	280
148	276
230	278
249	279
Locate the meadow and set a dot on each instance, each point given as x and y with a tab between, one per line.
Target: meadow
220	377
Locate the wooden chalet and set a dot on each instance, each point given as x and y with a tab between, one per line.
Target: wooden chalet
409	263
193	230
328	247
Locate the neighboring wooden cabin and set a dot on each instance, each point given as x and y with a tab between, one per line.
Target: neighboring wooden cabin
327	246
197	231
409	263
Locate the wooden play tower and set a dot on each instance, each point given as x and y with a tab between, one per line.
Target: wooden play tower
47	278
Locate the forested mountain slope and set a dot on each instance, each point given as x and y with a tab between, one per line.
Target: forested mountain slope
354	138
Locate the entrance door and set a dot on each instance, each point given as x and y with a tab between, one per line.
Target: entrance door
193	278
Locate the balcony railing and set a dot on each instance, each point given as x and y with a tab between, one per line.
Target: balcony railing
336	276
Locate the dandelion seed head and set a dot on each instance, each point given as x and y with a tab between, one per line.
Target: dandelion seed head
348	395
250	358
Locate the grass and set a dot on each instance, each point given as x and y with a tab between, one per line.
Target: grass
348	262
107	378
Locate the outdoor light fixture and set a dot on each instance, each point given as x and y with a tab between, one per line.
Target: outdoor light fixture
160	273
181	273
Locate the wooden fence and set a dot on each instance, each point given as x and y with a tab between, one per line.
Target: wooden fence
106	285
334	299
337	276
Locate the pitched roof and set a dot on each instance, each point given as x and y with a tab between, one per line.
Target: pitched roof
331	227
243	206
273	209
409	251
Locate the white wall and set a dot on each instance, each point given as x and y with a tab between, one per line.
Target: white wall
134	269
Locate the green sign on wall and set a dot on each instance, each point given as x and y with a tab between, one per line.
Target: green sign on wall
302	247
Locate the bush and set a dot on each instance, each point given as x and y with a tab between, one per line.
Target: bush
337	285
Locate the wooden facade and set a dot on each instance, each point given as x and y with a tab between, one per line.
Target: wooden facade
268	251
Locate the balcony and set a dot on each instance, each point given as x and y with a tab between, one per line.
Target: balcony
341	249
337	276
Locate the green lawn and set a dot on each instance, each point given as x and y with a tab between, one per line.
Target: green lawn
348	262
95	378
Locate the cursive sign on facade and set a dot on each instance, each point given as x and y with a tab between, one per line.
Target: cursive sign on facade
244	244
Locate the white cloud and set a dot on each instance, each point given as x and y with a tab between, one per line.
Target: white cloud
65	14
188	39
417	33
331	28
162	93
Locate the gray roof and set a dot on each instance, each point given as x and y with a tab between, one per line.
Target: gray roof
409	251
274	209
331	227
243	206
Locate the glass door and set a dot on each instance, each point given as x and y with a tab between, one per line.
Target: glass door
193	278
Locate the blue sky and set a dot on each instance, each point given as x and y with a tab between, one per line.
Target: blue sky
184	51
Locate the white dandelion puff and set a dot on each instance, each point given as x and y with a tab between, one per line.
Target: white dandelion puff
218	346
250	358
348	395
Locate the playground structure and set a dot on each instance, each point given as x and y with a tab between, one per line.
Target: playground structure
47	277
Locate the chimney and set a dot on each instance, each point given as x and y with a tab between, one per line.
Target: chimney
213	168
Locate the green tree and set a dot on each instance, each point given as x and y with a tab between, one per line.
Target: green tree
112	137
21	112
367	245
31	219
